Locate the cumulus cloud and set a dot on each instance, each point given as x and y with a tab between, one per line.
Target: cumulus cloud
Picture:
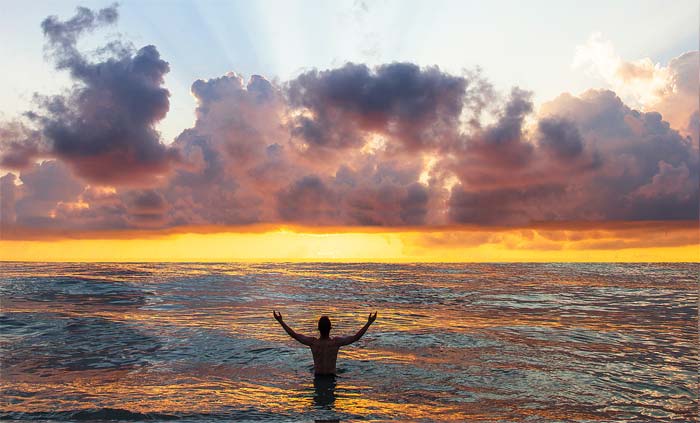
416	107
236	151
671	89
7	201
630	145
393	145
103	128
45	187
19	145
250	168
560	137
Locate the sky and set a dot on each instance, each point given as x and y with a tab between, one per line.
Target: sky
373	131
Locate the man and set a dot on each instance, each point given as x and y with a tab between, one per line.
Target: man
325	349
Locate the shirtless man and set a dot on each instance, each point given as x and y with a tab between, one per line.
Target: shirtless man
325	349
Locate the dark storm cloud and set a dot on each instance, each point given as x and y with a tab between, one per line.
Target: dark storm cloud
104	127
414	204
560	137
590	158
505	205
307	200
377	195
382	193
638	154
147	201
398	99
145	207
503	143
510	124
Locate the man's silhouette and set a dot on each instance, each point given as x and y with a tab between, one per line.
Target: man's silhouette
325	349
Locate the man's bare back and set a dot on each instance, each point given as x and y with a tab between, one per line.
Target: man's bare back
325	349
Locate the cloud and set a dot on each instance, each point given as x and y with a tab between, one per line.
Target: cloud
680	104
63	36
415	107
19	145
145	208
45	187
8	194
380	193
104	127
570	238
630	145
396	145
517	205
238	161
671	89
560	137
499	145
307	200
249	168
591	157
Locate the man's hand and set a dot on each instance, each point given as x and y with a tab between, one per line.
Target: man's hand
347	340
306	340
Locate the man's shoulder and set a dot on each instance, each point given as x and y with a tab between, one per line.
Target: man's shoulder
333	340
340	339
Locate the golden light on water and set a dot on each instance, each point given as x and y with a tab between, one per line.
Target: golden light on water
199	339
667	242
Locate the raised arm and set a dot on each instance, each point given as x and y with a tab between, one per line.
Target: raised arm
347	340
306	340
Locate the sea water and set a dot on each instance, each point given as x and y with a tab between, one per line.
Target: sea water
470	342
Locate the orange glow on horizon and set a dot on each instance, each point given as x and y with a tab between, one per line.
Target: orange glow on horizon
634	243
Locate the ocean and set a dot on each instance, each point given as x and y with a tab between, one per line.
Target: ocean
461	342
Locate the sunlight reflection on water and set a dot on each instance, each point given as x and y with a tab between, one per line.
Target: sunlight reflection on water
516	342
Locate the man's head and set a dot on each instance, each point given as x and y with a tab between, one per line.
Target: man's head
324	326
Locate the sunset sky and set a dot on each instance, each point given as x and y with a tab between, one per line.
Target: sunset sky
351	131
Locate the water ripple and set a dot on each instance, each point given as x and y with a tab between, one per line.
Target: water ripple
497	342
